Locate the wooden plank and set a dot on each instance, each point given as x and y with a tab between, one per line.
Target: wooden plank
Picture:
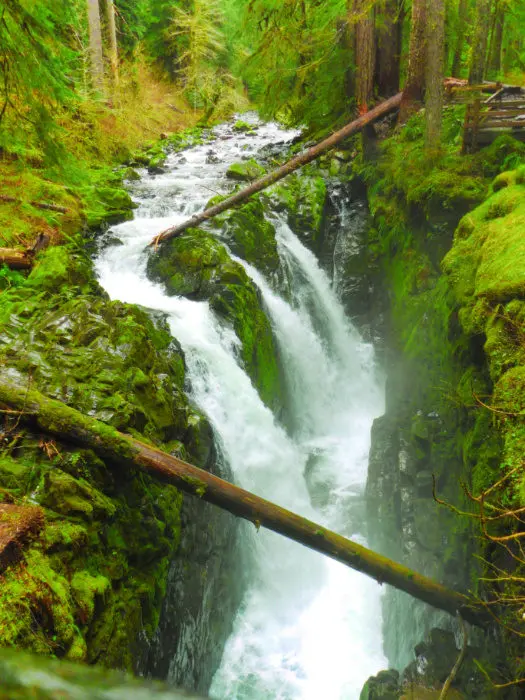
511	123
505	112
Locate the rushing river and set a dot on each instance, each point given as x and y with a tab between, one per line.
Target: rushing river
309	628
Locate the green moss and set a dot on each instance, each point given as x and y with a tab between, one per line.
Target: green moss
106	204
244	127
85	588
303	198
196	265
246	171
110	531
251	236
36	609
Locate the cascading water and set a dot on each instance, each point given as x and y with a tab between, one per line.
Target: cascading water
308	627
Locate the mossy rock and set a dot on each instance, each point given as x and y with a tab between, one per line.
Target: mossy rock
191	265
197	266
245	172
96	580
488	256
106	205
251	236
242	127
303	198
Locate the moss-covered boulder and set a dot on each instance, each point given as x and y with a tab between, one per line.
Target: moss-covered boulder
106	205
242	127
244	172
197	266
91	587
486	269
303	198
251	236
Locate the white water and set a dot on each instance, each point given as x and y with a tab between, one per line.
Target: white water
309	628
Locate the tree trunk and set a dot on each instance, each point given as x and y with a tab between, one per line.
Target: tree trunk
415	83
434	73
363	18
460	40
112	29
479	42
16	259
95	45
389	37
53	417
497	42
376	113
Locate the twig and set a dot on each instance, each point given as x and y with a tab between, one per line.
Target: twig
495	410
498	685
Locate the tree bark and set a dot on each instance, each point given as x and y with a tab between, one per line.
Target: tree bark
479	42
53	417
95	45
112	29
363	18
16	259
415	83
463	13
389	37
434	73
376	113
497	42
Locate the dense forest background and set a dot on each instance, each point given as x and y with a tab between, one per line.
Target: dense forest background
303	61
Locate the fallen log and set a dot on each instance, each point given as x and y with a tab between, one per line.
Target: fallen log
16	259
262	183
39	205
54	417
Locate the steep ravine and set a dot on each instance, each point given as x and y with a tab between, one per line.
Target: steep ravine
448	277
289	388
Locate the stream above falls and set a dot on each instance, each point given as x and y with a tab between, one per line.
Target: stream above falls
308	627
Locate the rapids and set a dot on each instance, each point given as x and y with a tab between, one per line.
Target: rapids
308	628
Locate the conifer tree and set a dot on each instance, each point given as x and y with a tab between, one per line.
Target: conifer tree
112	30
389	23
479	42
461	29
363	17
95	45
434	72
415	82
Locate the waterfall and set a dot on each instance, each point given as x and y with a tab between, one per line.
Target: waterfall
308	627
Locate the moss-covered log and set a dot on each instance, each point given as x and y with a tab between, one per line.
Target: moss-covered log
262	183
56	418
16	259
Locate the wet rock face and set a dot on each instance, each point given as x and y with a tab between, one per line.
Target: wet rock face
384	686
205	587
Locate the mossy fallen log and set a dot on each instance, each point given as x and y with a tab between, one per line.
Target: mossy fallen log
262	183
16	259
53	417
